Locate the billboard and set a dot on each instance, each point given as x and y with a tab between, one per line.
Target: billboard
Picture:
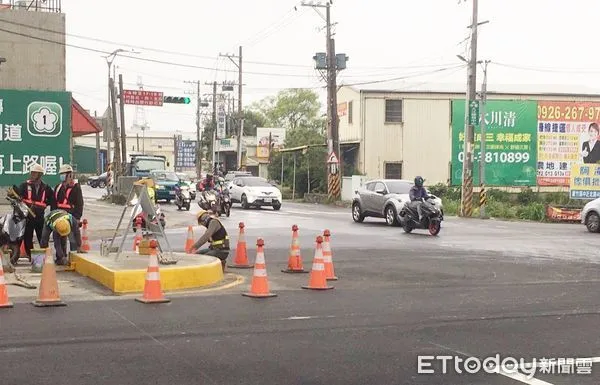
510	139
567	135
186	154
35	127
584	181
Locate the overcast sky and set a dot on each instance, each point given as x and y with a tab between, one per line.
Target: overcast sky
384	39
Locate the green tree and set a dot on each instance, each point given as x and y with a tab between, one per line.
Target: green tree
291	108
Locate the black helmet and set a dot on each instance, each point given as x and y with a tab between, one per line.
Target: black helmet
419	181
209	176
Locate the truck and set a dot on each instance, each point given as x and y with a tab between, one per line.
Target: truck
140	165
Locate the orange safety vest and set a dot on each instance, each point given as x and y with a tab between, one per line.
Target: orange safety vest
29	200
65	203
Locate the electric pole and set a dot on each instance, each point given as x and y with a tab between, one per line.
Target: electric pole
123	133
199	142
482	191
473	116
117	152
330	63
240	130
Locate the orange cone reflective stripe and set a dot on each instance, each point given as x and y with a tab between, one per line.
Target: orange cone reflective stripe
189	242
85	242
317	280
48	294
241	252
4	302
152	288
260	282
328	257
295	264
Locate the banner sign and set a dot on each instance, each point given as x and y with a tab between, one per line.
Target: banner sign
559	214
221	121
35	127
510	140
567	134
585	181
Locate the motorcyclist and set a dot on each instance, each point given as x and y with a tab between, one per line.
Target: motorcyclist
417	195
37	195
215	234
208	183
60	224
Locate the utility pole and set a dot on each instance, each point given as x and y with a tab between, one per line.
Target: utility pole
123	133
240	131
199	146
482	191
467	179
117	155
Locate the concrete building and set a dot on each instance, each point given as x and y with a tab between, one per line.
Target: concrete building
393	131
35	57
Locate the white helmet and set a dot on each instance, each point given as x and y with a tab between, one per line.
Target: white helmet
37	168
65	168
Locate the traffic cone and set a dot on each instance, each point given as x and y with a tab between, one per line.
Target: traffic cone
152	290
189	242
4	302
23	251
138	235
295	259
241	253
317	279
328	257
260	282
85	241
48	295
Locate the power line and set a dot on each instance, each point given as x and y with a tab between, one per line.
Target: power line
550	70
403	77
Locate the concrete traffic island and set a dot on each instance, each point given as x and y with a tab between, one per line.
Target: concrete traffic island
128	274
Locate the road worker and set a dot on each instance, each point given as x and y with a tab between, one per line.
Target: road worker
60	224
37	195
215	234
68	197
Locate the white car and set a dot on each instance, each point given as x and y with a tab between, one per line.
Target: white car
590	216
254	191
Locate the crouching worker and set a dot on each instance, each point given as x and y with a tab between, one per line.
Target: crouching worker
59	223
215	234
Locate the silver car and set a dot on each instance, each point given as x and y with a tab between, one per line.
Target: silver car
384	198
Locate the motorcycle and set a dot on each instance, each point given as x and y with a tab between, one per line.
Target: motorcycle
183	197
225	202
432	217
209	201
139	216
12	226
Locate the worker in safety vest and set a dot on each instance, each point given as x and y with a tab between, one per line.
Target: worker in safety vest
68	197
215	234
37	195
60	224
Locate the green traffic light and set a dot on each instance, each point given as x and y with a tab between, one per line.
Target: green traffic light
186	100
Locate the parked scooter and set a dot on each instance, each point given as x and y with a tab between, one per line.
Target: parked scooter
183	197
12	226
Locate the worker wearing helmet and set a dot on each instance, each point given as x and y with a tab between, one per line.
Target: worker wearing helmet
37	195
68	197
418	194
61	225
215	234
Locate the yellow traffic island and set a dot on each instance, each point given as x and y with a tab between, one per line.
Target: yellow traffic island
128	274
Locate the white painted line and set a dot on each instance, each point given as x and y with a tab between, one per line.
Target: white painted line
293	318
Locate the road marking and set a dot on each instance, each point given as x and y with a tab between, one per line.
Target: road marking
296	317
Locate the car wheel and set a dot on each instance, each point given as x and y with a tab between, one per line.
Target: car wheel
592	222
102	184
357	214
277	207
245	204
391	217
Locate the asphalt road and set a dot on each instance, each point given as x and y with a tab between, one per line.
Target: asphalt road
481	288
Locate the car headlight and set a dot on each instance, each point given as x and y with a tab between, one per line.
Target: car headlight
158	187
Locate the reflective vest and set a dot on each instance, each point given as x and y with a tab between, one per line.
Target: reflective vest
65	202
220	239
55	215
29	200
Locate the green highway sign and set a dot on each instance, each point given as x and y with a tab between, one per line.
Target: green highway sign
474	113
176	100
35	127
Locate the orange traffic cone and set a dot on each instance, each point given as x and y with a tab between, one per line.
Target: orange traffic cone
23	251
189	242
260	282
4	302
138	235
295	259
241	253
152	290
328	257
85	241
317	275
48	295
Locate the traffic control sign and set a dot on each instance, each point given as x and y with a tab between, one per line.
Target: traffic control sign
474	113
332	158
143	98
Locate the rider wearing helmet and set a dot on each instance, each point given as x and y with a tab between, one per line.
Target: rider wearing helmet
418	194
60	224
215	234
207	183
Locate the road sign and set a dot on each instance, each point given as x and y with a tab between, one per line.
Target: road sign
29	121
332	158
474	113
143	98
186	154
177	99
221	121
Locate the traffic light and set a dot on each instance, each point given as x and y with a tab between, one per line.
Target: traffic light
176	100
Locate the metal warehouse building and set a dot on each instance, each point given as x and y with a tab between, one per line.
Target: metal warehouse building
393	131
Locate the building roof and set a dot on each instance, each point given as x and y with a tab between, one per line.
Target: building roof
457	88
81	122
